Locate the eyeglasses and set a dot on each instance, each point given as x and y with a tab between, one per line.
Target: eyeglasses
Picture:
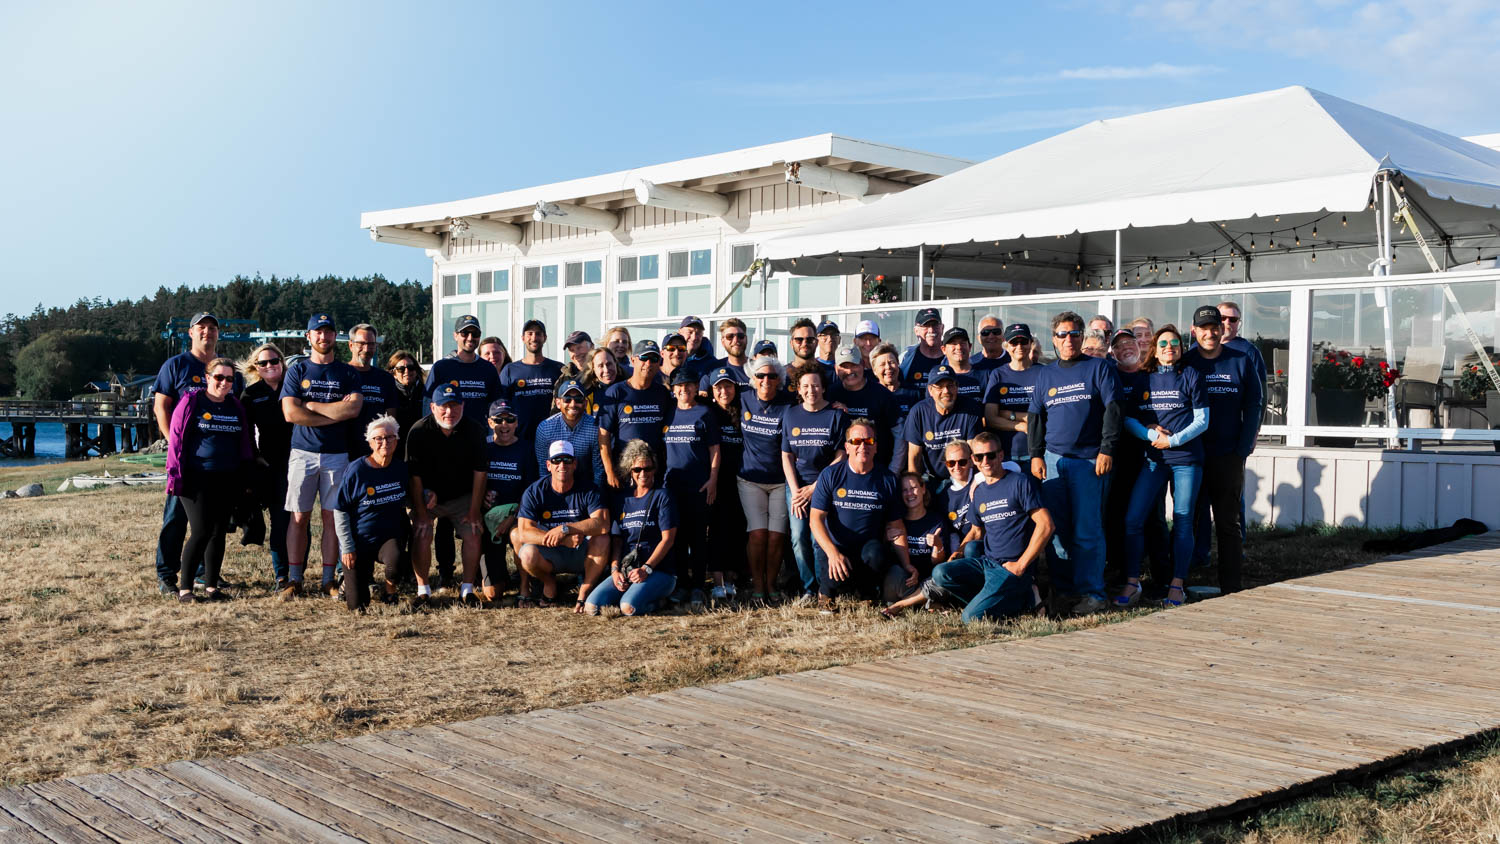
1168	344
222	378
561	460
384	438
267	364
570	398
738	335
1018	341
954	464
985	456
991	332
1230	319
803	339
400	367
504	419
771	375
641	470
868	442
1063	335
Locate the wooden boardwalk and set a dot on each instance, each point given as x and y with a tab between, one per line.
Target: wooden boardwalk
1182	713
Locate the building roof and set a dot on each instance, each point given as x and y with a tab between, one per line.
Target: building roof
721	173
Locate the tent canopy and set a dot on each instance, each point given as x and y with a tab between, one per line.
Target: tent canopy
1199	180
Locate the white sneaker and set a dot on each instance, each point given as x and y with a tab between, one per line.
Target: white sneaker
805	600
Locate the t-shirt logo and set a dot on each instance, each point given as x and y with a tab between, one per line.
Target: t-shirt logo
747	416
454	382
369	490
1052	392
626	409
843	492
664	428
928	435
952	515
520	382
208	416
918	376
796	432
306	383
1145	394
198	379
546	514
983	505
1004	390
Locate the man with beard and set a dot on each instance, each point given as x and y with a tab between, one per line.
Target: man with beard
735	341
528	383
320	395
473	376
635	409
938	420
376	385
956	347
992	353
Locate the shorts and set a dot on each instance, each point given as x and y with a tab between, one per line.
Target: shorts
764	505
455	510
312	475
564	560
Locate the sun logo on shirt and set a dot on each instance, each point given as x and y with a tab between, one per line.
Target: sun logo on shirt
197	379
928	435
520	382
796	432
546	514
983	505
843	492
1004	390
918	376
665	428
747	415
208	417
306	383
369	490
454	382
952	515
1052	392
1145	394
626	411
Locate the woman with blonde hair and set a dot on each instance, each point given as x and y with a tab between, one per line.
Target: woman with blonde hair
618	341
264	368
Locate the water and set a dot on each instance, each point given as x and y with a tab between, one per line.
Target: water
51	444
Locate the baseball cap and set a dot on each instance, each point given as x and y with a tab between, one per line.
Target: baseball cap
569	385
1017	329
867	326
445	394
827	326
941	372
577	337
647	349
722	374
927	315
558	448
534	324
319	321
765	347
847	354
1122	334
955	333
690	320
199	317
501	407
466	321
672	338
683	375
1206	315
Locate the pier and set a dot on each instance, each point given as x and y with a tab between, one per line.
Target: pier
91	427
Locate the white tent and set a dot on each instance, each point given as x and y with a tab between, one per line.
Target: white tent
1279	176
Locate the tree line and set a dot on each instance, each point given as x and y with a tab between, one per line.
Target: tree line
52	353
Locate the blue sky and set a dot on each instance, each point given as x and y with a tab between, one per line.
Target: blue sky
159	143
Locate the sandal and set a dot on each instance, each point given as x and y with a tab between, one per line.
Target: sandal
1168	602
1123	601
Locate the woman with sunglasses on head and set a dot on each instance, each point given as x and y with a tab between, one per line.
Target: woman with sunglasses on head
618	341
210	450
762	480
642	570
1169	414
1009	393
411	402
264	369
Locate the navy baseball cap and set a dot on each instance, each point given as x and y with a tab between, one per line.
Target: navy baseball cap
927	315
577	337
647	349
765	347
445	394
199	317
569	385
827	326
466	321
1017	329
722	374
690	320
955	333
683	375
534	324
319	321
674	338
1206	315
941	372
501	407
1122	334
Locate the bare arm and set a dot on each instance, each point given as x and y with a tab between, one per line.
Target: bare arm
162	406
528	533
608	459
998	421
914	458
663	548
1039	538
339	411
819	523
295	413
597	524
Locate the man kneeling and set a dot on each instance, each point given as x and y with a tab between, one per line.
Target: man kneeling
999	584
561	527
854	503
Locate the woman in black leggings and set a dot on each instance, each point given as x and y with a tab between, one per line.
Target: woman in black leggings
210	448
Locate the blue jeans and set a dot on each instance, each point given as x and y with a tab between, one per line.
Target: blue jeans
866	570
986	588
802	546
1150	485
1075	497
644	596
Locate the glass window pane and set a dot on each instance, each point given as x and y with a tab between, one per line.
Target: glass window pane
637	304
750	299
573	274
486	282
549	276
808	293
741	256
494	319
465	282
628	268
533	278
502	281
543	308
650	267
585	313
451	313
702	261
677	264
688	300
450	285
593	272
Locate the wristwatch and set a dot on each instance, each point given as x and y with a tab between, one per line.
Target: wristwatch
567	529
1012	416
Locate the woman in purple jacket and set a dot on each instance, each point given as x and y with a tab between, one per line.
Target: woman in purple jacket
210	447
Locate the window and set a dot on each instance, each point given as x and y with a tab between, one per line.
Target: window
465	284
497	281
543	308
808	293
450	285
689	300
585	314
532	278
741	257
451	313
573	274
637	304
494	319
702	261
549	276
748	299
677	265
583	272
628	268
650	267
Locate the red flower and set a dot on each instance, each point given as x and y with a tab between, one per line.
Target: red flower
1335	363
1343	354
1474	368
1384	365
1359	361
1280	372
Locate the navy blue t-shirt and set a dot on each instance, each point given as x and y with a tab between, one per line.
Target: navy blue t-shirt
872	402
509	470
1168	399
184	372
904	399
1011	390
971	385
983	366
549	508
219	428
631	414
958	512
1251	351
375	499
1073	399
917	532
813	438
731	443
529	388
761	423
1001	509
381	396
933	431
642	521
477	383
858	507
320	382
1132	384
689	436
915	367
1234	397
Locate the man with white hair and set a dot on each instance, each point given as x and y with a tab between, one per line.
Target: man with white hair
446	457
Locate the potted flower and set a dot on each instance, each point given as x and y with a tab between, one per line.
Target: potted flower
876	292
1474	384
1342	382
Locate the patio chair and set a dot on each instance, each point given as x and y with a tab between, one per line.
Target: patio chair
1420	386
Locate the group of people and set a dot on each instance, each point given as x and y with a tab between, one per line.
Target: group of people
656	472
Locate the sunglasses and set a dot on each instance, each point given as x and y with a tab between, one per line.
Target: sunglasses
267	364
868	442
570	398
561	460
1230	319
1168	344
1063	335
991	332
1018	341
504	419
222	378
738	335
400	367
985	456
641	470
803	339
954	464
771	375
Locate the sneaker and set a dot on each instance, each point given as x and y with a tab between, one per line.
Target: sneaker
292	592
1088	605
420	602
216	595
806	599
281	583
729	591
826	606
166	587
388	598
189	598
695	602
718	595
470	600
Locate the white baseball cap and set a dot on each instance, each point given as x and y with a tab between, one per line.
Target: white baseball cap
560	447
867	326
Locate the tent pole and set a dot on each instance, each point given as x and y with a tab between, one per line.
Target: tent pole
1383	299
1117	259
921	274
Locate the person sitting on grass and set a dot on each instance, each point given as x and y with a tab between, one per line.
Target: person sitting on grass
856	522
999	584
642	571
370	514
927	533
208	457
561	527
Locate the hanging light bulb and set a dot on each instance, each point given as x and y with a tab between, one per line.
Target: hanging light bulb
1231	265
1137	275
1315	231
1077	266
1216	260
1315	257
1271	244
861	269
1200	265
794	262
841	259
1298	237
1252	243
1344	220
1179	269
1002	265
1278	218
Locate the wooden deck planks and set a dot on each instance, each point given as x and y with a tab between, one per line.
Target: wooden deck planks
1053	739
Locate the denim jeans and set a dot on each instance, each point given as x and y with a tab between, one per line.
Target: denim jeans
1075	497
866	570
1150	486
802	546
984	587
644	596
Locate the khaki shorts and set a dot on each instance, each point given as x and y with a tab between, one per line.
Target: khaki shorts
309	476
764	505
455	510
